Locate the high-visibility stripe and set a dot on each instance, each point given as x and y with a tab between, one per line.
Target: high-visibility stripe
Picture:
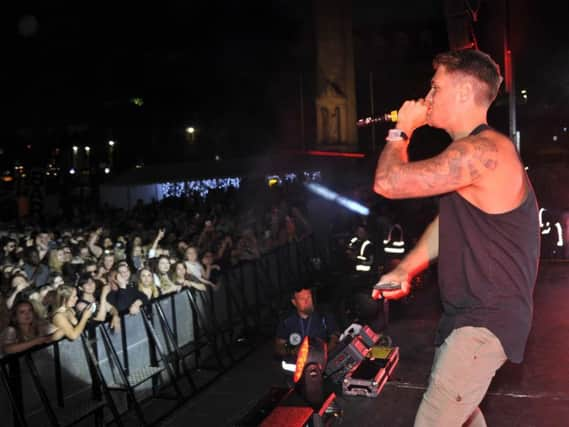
361	267
398	243
559	234
394	250
290	367
363	246
540	215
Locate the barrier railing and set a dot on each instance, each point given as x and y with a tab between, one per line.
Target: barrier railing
171	342
39	389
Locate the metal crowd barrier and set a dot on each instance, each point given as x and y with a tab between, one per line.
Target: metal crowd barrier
177	345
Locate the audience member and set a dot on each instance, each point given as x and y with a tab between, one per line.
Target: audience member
26	330
122	298
36	272
64	316
162	276
146	283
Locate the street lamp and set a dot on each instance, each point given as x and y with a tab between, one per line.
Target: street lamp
75	150
111	147
192	132
88	159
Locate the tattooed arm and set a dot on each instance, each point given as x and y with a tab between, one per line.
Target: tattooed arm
462	164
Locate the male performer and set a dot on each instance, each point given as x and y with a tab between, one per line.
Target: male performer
486	235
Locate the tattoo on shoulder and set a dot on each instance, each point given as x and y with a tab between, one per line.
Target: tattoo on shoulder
462	163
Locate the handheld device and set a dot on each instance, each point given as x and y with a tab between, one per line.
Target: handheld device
387	286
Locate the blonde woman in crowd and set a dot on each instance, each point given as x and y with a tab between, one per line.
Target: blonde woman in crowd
64	317
146	285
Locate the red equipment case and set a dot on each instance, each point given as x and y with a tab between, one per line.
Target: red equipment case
368	377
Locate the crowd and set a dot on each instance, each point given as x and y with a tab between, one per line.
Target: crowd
100	265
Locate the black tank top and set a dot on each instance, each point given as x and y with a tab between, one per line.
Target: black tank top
487	269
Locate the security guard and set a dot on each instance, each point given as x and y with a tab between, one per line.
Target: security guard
361	251
394	247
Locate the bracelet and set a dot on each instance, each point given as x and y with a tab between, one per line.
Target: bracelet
396	135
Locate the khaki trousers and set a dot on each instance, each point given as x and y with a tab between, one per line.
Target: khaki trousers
463	368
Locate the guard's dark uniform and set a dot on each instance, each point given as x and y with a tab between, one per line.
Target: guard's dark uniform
293	329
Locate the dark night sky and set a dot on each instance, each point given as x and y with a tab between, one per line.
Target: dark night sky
225	65
77	55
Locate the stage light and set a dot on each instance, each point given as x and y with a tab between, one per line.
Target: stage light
337	198
313	352
310	365
301	359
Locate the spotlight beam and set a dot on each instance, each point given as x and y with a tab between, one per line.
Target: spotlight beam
337	198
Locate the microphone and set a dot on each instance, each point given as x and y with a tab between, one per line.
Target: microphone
390	117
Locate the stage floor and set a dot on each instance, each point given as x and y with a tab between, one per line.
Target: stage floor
535	393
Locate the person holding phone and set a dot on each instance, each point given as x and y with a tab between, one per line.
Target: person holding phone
485	237
90	297
64	316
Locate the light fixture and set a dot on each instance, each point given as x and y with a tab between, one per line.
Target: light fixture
310	365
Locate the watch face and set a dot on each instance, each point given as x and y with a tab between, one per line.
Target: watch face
294	338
